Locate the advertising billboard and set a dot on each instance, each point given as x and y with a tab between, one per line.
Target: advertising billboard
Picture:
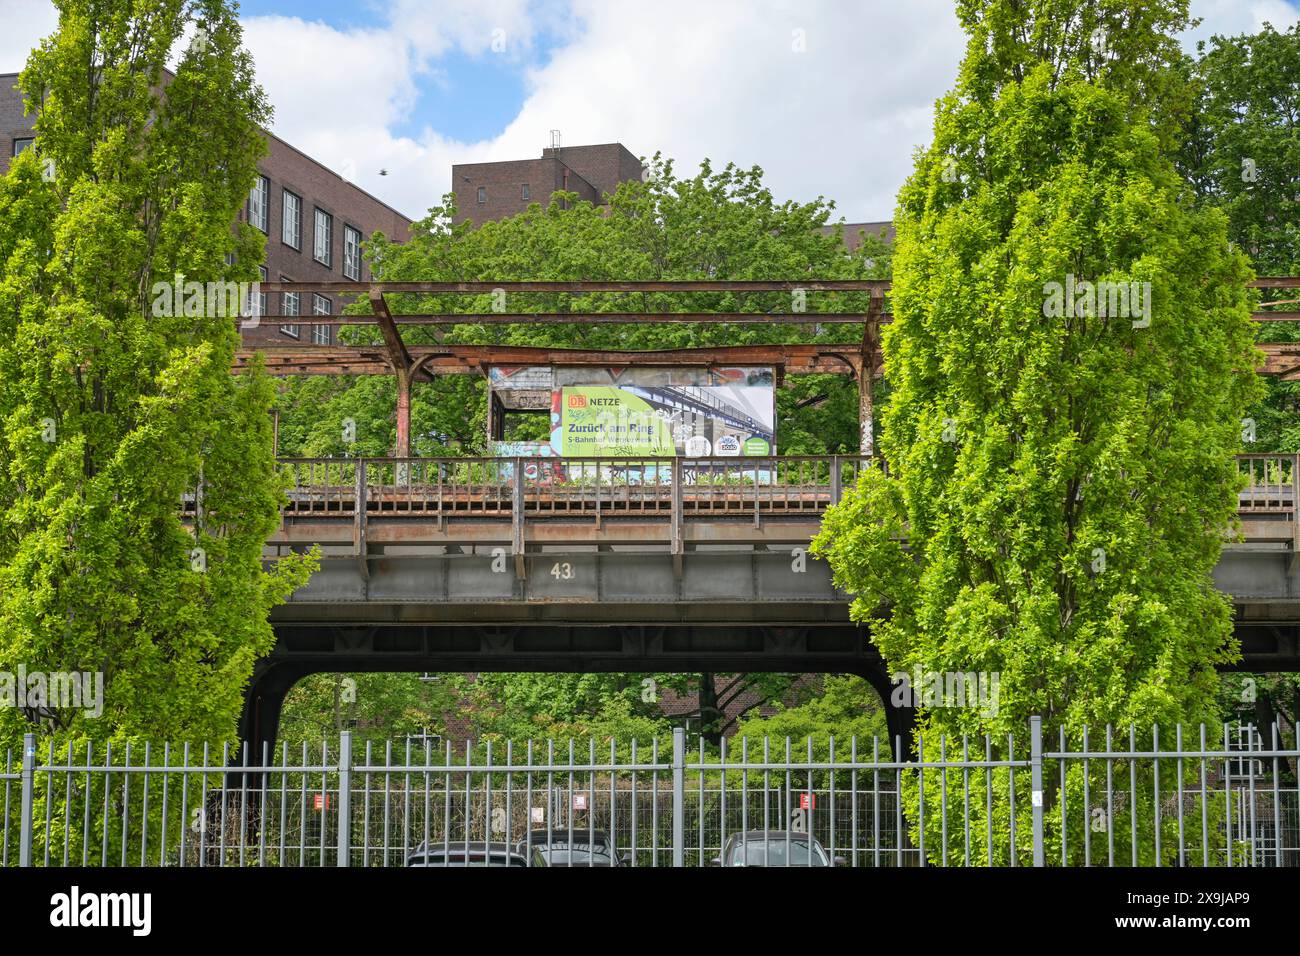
705	413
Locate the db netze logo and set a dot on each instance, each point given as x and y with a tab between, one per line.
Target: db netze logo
577	401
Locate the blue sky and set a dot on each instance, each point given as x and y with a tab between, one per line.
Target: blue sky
829	97
468	96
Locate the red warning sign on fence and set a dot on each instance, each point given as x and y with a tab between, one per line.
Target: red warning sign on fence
807	801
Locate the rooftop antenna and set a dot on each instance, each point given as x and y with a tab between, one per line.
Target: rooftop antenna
555	139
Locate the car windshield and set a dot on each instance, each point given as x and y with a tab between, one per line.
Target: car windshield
774	852
579	854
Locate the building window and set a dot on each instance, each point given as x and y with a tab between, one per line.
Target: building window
524	193
255	306
22	144
289	306
258	202
291	224
320	334
324	237
482	195
352	253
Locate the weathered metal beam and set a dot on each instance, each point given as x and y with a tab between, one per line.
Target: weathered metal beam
587	286
398	356
441	319
1281	359
596	318
875	286
452	359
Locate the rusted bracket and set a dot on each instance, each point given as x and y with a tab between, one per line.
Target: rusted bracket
397	352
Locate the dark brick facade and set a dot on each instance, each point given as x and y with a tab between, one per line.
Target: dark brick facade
853	230
13	123
508	187
285	168
348	207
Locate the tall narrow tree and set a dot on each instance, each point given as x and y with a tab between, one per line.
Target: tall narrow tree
115	403
1070	358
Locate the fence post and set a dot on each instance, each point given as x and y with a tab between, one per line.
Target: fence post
676	534
29	780
1295	514
517	518
679	796
1036	785
345	798
359	517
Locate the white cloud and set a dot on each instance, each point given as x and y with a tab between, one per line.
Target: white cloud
1230	17
719	80
693	78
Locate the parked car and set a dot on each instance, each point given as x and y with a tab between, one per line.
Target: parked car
472	854
774	848
586	849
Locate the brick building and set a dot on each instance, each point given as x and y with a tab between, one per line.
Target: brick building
488	191
314	221
853	231
498	190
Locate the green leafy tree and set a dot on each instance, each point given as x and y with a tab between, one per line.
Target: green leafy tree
117	405
607	709
1242	154
846	708
379	708
1059	479
1242	150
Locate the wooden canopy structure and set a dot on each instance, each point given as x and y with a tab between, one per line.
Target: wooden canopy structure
860	358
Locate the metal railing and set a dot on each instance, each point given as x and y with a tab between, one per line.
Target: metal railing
844	801
553	486
1271	483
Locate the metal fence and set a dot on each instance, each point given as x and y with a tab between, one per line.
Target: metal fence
1107	801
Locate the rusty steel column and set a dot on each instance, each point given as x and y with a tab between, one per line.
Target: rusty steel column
403	449
867	377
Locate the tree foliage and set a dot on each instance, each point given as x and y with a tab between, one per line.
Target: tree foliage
1242	155
112	412
1059	479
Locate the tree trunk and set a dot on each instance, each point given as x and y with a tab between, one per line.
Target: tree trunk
710	715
